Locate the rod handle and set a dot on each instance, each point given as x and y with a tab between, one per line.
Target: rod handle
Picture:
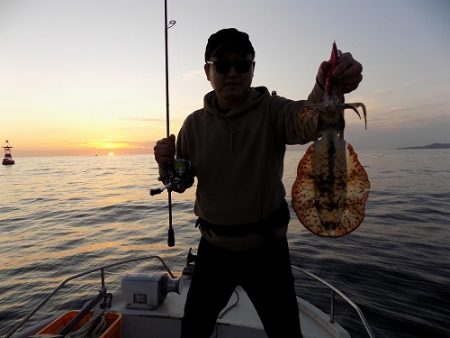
171	237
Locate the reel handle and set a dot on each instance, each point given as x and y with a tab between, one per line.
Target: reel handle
155	191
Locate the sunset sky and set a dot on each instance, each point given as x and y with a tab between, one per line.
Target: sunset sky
87	76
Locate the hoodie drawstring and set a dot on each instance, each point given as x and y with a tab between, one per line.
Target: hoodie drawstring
232	134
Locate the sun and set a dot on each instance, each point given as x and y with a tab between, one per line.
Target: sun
111	153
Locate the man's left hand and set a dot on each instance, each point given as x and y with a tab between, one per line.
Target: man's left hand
348	71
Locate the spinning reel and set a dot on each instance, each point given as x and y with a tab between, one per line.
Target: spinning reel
179	177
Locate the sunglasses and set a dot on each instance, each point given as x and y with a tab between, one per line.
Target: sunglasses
224	67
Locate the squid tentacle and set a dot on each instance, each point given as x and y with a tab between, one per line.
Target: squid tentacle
354	107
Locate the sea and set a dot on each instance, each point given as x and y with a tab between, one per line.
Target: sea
63	215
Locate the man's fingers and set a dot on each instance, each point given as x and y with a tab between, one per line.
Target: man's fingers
347	67
351	83
164	150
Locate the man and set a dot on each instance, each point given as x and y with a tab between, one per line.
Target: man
236	144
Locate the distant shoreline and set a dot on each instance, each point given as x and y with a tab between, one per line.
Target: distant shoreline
430	146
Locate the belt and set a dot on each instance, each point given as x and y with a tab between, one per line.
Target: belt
276	219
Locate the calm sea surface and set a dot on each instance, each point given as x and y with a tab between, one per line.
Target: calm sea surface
63	215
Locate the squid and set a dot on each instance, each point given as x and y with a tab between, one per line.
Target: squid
331	188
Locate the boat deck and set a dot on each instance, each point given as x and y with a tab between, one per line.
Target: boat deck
238	319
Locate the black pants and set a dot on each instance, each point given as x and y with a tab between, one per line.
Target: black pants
265	274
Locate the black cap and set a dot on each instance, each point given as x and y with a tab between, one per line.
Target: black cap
230	38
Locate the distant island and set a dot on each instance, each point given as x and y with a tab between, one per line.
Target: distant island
431	146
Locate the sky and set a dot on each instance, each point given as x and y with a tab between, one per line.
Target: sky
87	76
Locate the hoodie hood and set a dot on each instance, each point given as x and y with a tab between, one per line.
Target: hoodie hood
256	95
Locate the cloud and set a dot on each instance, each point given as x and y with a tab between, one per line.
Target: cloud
137	118
416	115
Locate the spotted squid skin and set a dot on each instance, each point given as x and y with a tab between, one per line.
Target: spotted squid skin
331	188
330	175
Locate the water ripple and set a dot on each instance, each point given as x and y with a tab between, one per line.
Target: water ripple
84	212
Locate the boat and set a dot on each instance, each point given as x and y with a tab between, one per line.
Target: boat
151	305
7	160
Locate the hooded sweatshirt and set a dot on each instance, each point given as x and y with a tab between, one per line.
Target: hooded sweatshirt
237	157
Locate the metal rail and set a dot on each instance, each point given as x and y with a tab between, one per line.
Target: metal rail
335	291
102	277
102	270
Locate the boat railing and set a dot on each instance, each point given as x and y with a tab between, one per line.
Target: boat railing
334	290
100	269
103	268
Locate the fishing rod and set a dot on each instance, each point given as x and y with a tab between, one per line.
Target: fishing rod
167	26
169	185
178	172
